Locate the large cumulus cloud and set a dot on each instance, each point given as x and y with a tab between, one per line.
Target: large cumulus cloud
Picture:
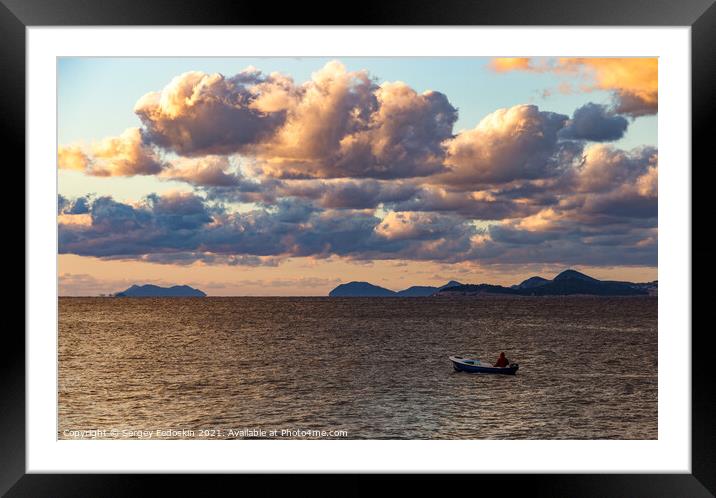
346	126
516	143
341	166
338	124
199	113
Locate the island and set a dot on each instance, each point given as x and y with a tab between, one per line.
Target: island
567	283
365	289
150	290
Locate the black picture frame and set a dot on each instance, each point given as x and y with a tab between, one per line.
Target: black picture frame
700	15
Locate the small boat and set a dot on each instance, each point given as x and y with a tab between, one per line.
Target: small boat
461	364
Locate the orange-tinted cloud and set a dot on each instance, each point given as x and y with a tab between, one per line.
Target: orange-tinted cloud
84	220
633	80
72	157
124	155
504	64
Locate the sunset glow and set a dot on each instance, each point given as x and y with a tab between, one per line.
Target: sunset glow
288	177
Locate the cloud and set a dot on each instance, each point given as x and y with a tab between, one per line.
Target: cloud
605	168
182	229
480	204
124	155
347	194
333	103
299	282
73	212
598	223
415	225
338	124
199	113
346	126
76	220
648	183
179	210
72	157
82	284
80	205
505	64
404	137
207	171
339	166
625	202
594	122
605	213
156	224
509	144
633	81
62	203
627	245
186	258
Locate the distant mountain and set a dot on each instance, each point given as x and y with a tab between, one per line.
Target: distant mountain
574	275
150	290
571	286
451	283
424	290
531	283
364	289
360	289
417	291
478	289
569	282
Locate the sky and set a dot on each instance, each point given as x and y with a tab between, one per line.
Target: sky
289	176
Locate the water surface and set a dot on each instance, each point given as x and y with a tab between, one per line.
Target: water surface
373	368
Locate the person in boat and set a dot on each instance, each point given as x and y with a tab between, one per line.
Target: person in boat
502	361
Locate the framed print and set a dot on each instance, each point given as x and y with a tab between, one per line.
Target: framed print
423	242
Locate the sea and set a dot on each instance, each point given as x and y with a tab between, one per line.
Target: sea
356	368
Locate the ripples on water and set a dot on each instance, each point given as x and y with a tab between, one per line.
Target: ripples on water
376	368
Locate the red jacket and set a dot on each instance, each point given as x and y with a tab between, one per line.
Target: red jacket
502	361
